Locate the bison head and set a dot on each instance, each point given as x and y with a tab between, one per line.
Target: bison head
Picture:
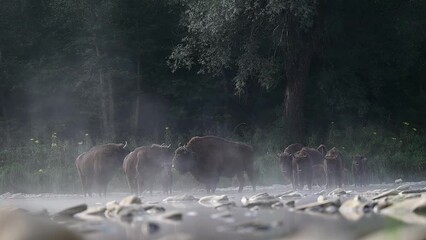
183	159
285	161
332	154
358	162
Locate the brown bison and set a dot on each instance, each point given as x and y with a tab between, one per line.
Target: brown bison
304	163
286	161
151	162
129	168
98	165
359	170
208	158
143	165
333	167
166	178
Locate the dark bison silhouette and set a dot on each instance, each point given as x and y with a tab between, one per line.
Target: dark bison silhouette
303	163
98	166
286	161
333	167
208	158
359	170
154	160
144	163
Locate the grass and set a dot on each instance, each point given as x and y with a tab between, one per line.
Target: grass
48	166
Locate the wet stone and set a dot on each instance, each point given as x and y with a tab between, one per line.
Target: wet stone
181	198
175	216
403	187
387	193
70	212
149	228
213	201
130	200
250	227
152	210
260	200
226	206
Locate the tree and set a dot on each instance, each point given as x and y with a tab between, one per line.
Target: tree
267	40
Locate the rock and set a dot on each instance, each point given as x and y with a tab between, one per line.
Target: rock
352	209
290	204
319	207
22	226
399	180
387	193
321	199
337	192
250	227
226	206
112	205
291	195
403	232
410	211
175	216
213	201
413	191
181	198
153	209
93	213
128	213
130	200
149	228
261	200
403	187
70	212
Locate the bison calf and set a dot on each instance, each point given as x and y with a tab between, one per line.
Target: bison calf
333	167
359	170
208	158
98	165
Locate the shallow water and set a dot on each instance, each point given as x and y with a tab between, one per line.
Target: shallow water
201	222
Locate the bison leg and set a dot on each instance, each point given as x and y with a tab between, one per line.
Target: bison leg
251	176
240	177
308	176
140	186
83	184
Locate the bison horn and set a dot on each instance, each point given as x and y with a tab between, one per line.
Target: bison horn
125	144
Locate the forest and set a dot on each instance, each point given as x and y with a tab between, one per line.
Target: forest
74	74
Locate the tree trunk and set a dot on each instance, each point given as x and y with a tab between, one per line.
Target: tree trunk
298	56
138	96
104	110
111	111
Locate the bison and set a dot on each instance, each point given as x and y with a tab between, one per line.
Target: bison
286	161
333	167
98	165
166	178
304	163
151	161
359	170
208	158
129	168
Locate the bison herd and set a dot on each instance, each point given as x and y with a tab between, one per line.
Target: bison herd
207	159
